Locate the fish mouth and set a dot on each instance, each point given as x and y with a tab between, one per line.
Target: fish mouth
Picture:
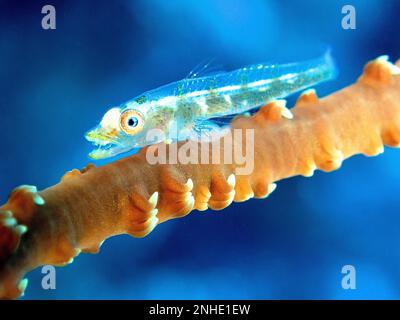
103	151
104	146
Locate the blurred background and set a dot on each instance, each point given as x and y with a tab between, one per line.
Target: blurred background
56	84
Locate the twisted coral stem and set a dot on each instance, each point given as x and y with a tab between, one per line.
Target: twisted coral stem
132	196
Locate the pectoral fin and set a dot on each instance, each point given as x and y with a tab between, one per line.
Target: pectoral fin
205	130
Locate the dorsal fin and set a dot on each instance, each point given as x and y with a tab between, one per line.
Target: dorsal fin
204	69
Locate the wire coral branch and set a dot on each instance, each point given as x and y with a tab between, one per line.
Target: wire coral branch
131	196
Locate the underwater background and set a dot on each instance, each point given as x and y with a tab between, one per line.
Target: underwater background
56	84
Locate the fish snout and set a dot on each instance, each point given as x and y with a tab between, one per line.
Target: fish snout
101	135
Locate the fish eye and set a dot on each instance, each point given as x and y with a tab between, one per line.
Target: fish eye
131	122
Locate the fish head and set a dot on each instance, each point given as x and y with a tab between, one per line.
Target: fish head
120	130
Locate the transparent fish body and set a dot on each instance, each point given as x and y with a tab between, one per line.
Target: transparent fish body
189	100
189	104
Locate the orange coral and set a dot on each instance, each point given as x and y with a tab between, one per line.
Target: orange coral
132	196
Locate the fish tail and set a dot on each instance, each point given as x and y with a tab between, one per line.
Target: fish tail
323	68
328	63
